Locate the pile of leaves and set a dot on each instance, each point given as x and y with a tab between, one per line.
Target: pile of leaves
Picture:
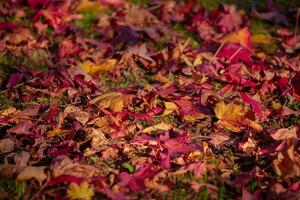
116	99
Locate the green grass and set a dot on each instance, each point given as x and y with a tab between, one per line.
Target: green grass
5	102
87	22
186	34
36	60
246	4
143	2
14	187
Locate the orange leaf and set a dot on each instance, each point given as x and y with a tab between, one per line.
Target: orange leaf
231	116
242	37
113	100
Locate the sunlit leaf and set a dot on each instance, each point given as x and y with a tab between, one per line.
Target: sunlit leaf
161	126
81	192
113	100
88	5
242	37
57	132
92	68
231	116
170	107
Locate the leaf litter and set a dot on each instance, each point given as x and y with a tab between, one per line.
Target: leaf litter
116	99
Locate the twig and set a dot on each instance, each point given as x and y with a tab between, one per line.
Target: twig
217	52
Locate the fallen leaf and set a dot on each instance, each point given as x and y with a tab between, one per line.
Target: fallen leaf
77	114
170	107
113	100
30	172
8	111
6	145
161	126
89	6
242	37
57	132
194	117
285	134
92	68
219	139
82	191
98	137
155	184
231	116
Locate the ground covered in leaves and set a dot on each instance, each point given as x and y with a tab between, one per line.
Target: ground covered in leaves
116	99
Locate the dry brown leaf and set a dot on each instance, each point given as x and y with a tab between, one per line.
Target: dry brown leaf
101	123
77	114
32	172
285	133
114	100
98	137
6	145
65	166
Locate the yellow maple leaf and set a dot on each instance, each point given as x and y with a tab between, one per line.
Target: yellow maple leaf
170	107
161	126
194	117
114	100
88	6
231	116
82	191
92	68
57	132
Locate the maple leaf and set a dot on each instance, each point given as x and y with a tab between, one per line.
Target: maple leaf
231	116
114	100
231	20
242	37
170	107
57	132
30	172
161	126
92	68
82	191
88	5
